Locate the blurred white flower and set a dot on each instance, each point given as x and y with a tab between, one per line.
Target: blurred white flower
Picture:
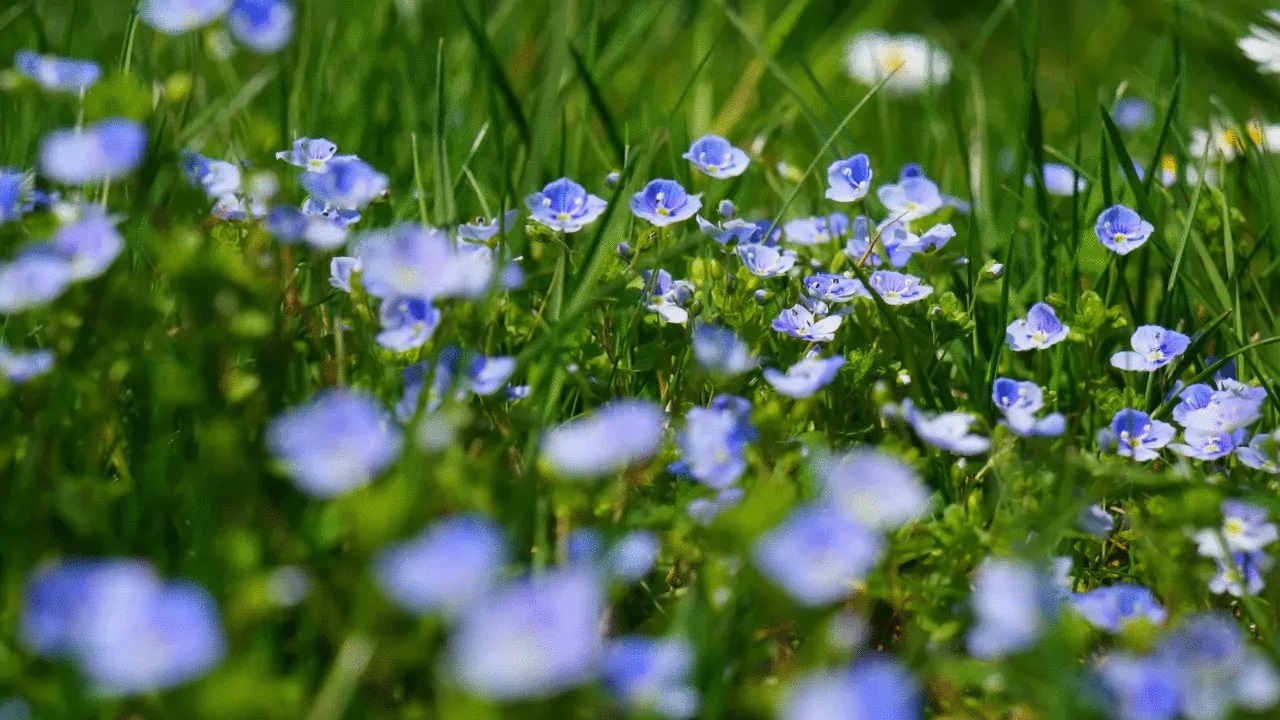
1262	45
1225	139
909	61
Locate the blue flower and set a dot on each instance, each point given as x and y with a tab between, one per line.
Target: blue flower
1012	604
564	206
481	230
407	323
1109	608
337	442
1208	444
1060	180
1153	348
652	676
859	248
487	375
1231	408
766	261
726	209
849	180
937	236
174	17
834	288
805	377
875	689
35	278
872	487
411	261
618	434
311	154
531	637
800	322
663	202
1019	402
1139	436
57	73
1141	688
321	227
18	367
1039	330
1242	573
817	555
667	297
216	177
910	199
714	440
1217	668
1133	113
15	185
1096	521
89	242
720	351
1122	230
349	183
705	510
445	567
1262	453
818	230
263	26
1245	528
895	288
634	556
898	242
100	152
717	157
743	232
129	631
947	431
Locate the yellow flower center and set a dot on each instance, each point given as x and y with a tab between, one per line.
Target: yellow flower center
891	59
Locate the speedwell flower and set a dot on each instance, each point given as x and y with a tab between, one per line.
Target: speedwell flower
714	440
834	288
1153	348
565	206
1262	453
34	278
805	377
445	567
618	434
349	183
263	26
896	288
817	554
1122	230
1139	436
89	242
720	351
667	297
18	366
664	202
1040	329
57	74
407	323
873	487
717	157
174	17
103	151
849	180
1111	607
337	442
911	198
800	322
765	260
818	230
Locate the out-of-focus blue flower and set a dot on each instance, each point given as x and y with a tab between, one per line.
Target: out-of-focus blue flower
1133	113
445	567
57	74
714	440
1231	408
321	227
103	151
910	199
849	180
1153	348
1059	179
481	230
652	675
1096	521
726	209
717	157
720	351
818	230
263	26
618	434
875	689
1140	688
805	377
89	242
311	154
18	367
766	261
407	323
873	487
634	555
897	288
705	510
742	232
341	271
1240	573
1039	330
817	555
1122	230
1245	528
947	431
1019	402
800	322
667	297
1203	444
1217	669
412	261
349	183
1139	436
531	637
1109	608
337	442
898	242
1262	453
472	373
216	177
1012	604
564	205
937	236
34	278
859	247
129	631
834	288
174	17
663	202
15	185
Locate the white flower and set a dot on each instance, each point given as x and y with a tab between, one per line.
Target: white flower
909	61
1262	45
